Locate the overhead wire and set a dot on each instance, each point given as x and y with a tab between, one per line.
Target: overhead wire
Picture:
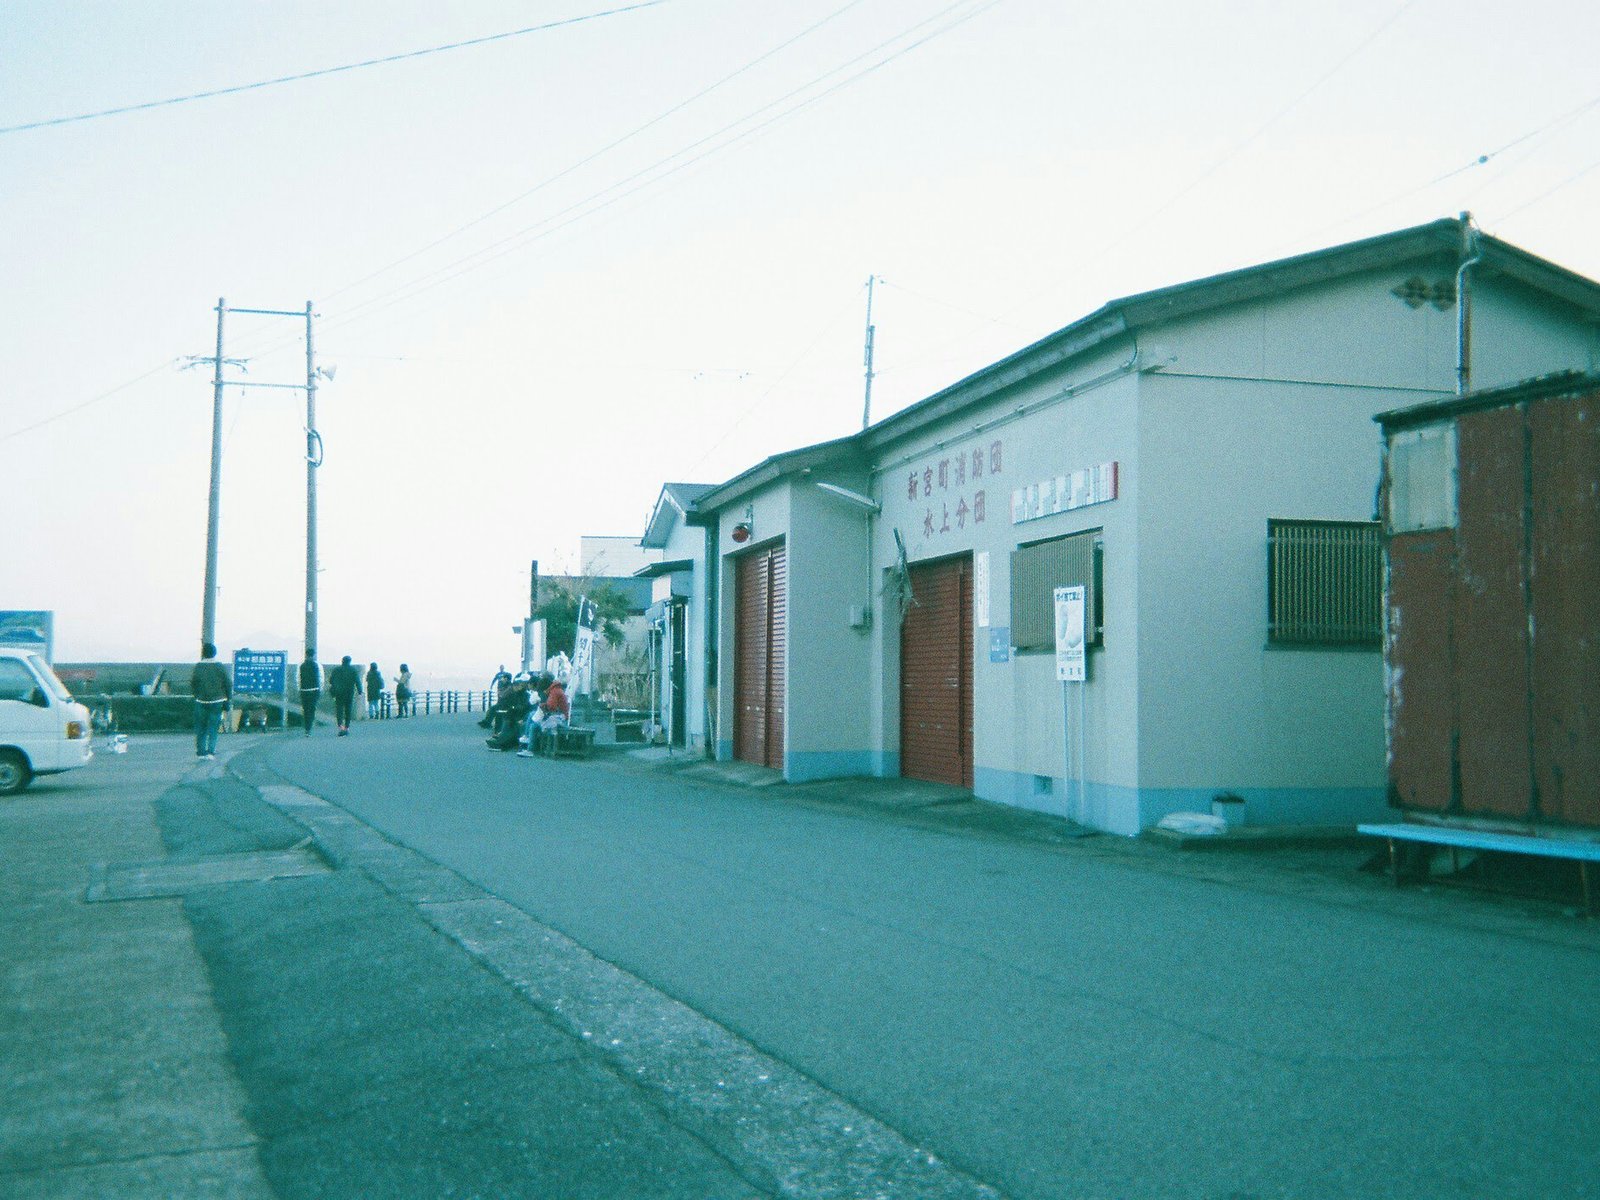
304	75
751	408
651	175
607	148
536	231
1481	160
77	408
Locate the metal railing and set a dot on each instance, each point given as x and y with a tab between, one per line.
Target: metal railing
431	703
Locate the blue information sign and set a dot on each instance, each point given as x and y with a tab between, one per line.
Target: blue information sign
260	672
1000	643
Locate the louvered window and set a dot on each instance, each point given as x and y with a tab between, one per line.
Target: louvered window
1038	569
1324	583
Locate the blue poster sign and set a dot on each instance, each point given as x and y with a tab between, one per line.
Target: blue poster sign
999	643
261	672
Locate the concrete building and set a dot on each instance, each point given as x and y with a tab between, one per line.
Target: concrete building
613	555
1200	459
677	614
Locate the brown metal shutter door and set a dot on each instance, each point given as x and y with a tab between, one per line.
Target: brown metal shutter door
777	650
936	675
761	615
750	660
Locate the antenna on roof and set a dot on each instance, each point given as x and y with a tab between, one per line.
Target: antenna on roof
866	404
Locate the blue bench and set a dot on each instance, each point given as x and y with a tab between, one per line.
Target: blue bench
1457	838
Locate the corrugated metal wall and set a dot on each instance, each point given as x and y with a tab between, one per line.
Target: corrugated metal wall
936	674
1494	627
760	654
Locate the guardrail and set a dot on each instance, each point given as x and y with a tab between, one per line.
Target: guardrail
428	703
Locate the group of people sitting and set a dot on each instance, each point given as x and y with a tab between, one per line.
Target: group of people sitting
527	712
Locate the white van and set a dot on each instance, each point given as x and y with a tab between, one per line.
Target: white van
43	730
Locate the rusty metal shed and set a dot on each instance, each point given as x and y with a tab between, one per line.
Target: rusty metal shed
1492	604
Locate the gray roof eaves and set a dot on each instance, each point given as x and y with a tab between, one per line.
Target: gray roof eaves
1441	238
791	462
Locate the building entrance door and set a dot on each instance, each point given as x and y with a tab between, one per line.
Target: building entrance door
936	674
760	655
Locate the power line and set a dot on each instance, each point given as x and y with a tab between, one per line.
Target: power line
582	162
518	240
776	383
76	408
534	232
642	179
356	66
1481	160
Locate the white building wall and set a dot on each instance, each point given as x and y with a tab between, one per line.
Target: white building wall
1019	747
829	666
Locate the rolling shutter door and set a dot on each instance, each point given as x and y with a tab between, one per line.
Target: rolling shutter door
936	675
760	638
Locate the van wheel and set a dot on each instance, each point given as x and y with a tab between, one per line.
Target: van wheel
14	773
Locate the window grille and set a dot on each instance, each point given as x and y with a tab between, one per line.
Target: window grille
1038	569
1324	583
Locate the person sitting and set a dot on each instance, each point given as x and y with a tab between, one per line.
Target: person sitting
553	712
513	709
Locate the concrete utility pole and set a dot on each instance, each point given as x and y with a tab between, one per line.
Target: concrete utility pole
866	404
208	618
313	461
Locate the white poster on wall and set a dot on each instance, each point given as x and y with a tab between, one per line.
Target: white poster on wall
980	588
1071	659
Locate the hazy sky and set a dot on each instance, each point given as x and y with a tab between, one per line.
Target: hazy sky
547	288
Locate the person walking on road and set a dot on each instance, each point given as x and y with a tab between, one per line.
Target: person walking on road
402	692
374	690
212	690
310	689
344	681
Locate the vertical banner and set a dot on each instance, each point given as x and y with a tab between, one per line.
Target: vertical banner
1071	658
583	649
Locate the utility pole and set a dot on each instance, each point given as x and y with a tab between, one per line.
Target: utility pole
313	461
208	618
866	404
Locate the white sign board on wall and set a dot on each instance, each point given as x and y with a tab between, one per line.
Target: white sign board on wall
1071	656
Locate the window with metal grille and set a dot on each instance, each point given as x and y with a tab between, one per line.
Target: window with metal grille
1038	569
1324	583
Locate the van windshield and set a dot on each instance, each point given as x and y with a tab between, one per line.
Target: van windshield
48	677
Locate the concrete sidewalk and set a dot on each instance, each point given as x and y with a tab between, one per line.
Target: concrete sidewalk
116	1076
219	985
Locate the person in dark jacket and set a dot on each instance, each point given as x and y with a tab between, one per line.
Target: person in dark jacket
402	693
374	690
212	690
344	681
310	689
515	704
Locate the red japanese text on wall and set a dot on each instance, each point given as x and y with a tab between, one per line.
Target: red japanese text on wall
952	490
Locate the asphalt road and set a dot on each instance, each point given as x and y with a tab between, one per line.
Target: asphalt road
1056	1020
